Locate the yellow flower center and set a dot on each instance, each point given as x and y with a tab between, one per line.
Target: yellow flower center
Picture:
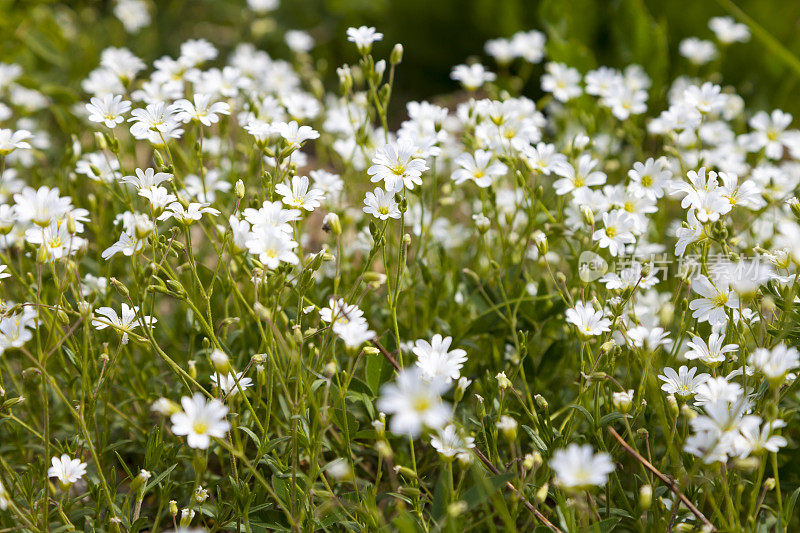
421	403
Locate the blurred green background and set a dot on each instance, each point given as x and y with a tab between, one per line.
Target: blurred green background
59	42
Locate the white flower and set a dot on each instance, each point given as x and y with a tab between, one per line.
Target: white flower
155	119
648	339
262	6
272	247
189	214
126	323
55	239
133	14
728	30
776	363
436	360
649	179
578	467
66	470
697	50
770	132
713	301
529	45
121	62
683	383
363	37
299	41
414	402
196	51
449	442
472	76
477	168
754	440
147	178
227	382
5	498
562	81
294	134
340	312
272	215
381	204
587	319
201	109
108	110
711	353
574	179
616	232
200	421
15	329
353	333
41	205
715	389
396	165
299	194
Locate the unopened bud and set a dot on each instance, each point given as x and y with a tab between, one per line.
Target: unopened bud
220	361
331	222
645	497
139	481
540	239
541	494
397	54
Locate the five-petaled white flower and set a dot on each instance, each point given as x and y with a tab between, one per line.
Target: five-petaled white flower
396	165
415	403
588	320
200	420
578	467
125	324
108	110
66	470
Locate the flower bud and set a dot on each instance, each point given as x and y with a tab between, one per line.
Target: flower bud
673	405
165	407
587	215
541	494
482	223
332	222
502	381
457	508
397	54
186	517
623	400
508	427
645	497
139	481
220	361
405	472
239	189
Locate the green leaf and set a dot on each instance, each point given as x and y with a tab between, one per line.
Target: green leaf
586	414
608	419
377	371
485	487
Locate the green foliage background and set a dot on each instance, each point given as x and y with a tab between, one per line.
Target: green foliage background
60	42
